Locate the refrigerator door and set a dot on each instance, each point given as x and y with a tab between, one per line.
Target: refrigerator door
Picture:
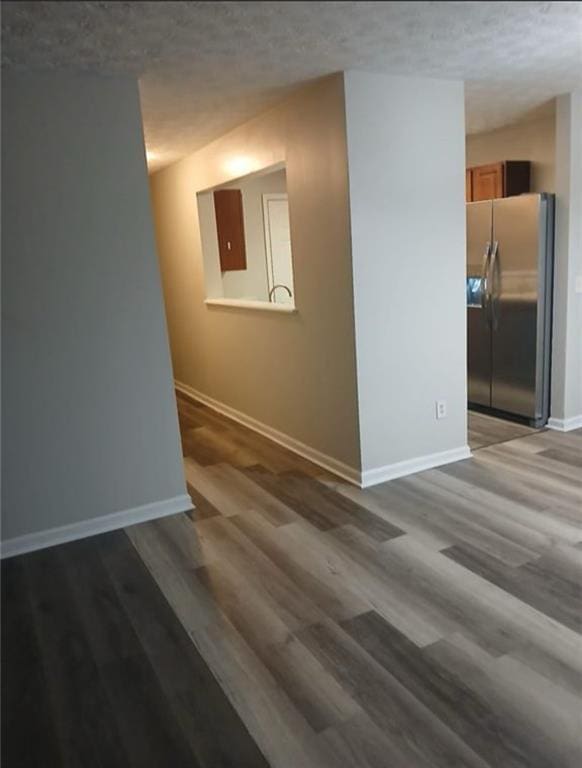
517	277
478	325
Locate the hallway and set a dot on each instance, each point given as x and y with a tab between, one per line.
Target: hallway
431	621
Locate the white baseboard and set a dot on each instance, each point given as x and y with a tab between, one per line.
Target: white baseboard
296	446
352	475
565	425
409	467
32	541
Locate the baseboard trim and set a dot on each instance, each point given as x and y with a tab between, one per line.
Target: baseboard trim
565	425
296	446
361	479
81	530
409	467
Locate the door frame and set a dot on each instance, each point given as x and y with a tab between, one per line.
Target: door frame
267	196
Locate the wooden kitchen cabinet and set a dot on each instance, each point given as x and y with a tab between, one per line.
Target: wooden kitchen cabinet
487	182
230	229
504	179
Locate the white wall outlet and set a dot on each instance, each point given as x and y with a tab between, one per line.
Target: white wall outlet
441	409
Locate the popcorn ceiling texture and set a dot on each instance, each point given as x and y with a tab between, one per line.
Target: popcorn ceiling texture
205	67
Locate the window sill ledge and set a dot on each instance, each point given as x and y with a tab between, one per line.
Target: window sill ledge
265	306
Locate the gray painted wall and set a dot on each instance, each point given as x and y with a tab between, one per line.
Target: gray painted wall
406	142
566	403
89	421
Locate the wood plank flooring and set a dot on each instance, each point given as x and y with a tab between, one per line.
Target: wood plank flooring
487	430
296	621
98	671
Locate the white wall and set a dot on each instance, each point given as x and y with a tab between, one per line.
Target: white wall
89	422
534	140
294	373
406	170
566	406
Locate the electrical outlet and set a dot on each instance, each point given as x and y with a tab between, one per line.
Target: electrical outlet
441	409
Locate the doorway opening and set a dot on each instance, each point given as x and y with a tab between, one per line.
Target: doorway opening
278	247
509	280
509	301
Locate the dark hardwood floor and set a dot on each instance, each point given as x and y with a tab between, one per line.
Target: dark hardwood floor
98	671
294	620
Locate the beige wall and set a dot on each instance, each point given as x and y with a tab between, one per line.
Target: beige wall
292	372
534	140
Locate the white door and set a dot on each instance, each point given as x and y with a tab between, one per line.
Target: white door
278	247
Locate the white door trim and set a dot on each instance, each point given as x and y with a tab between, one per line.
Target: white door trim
267	196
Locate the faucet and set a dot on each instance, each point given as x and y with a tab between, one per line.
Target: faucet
274	288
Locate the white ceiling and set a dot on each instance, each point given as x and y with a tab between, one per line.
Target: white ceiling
205	67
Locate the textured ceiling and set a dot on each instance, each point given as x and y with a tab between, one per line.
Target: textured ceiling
205	67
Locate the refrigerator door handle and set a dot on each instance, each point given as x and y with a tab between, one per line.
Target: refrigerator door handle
484	279
491	283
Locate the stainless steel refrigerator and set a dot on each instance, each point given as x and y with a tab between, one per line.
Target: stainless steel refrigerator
509	303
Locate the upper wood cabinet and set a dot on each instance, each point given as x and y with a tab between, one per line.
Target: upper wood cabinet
505	179
230	229
487	181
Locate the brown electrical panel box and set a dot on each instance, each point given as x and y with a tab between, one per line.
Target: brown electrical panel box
230	229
